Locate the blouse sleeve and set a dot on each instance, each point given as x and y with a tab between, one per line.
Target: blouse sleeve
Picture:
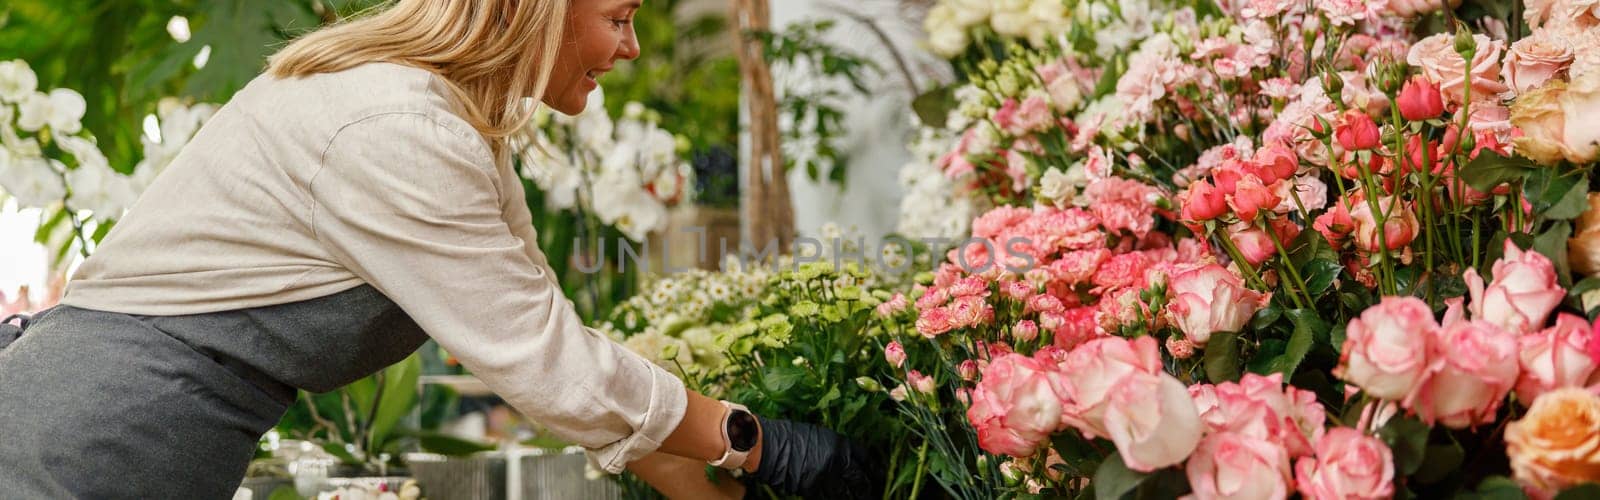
408	202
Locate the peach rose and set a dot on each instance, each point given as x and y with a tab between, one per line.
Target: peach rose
1583	250
1557	443
1436	56
1534	60
1559	121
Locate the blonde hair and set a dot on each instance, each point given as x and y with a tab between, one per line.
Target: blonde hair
492	53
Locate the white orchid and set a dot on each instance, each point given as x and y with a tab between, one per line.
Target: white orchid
33	181
17	81
61	109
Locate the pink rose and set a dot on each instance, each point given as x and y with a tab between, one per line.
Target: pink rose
1420	100
1210	299
1523	292
1356	131
1398	230
1534	60
1203	202
1557	357
1091	373
1014	409
1472	367
1254	243
1152	420
1336	223
1235	466
1348	465
1263	407
895	354
1436	56
1250	197
1386	349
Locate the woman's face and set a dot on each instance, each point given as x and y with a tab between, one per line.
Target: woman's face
598	33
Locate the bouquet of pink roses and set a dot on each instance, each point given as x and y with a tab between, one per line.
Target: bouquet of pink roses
1281	248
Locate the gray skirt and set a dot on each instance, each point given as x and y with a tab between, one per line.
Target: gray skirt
103	405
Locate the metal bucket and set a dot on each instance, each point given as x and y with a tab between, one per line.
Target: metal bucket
524	474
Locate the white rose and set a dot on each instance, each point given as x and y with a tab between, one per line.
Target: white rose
61	109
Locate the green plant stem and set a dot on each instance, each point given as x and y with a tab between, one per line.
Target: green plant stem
922	467
1244	265
1288	264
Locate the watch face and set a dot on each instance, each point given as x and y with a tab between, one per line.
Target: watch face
742	430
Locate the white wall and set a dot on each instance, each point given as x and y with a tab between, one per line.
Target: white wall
877	126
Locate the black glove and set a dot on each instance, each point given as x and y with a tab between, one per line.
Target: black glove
812	462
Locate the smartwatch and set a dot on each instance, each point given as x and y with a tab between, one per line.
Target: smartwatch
740	431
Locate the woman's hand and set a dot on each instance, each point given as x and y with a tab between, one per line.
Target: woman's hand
812	462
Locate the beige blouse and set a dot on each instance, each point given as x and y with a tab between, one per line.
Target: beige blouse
301	188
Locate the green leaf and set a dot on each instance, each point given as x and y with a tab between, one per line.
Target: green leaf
933	107
444	444
337	450
1490	169
1076	452
1114	479
833	394
399	397
1573	200
1586	491
1317	261
1408	439
780	378
1553	244
241	34
1336	337
1307	325
1500	488
284	493
1222	357
1442	459
1265	317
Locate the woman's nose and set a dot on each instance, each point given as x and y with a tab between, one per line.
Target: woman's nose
629	49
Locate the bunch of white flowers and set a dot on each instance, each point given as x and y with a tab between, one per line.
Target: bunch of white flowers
931	206
46	157
626	172
950	23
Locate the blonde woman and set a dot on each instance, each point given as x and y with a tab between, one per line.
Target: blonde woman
344	207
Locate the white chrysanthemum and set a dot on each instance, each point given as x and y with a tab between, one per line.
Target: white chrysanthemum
661	350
